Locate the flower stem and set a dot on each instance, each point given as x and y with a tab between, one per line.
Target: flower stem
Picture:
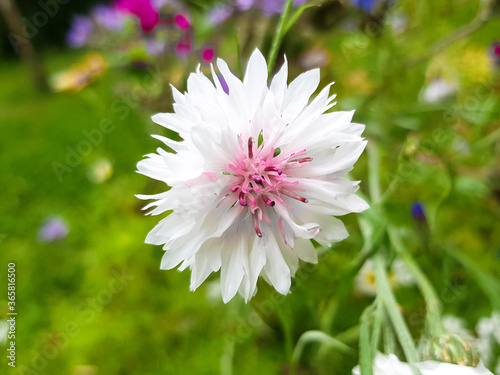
278	36
430	296
286	324
389	301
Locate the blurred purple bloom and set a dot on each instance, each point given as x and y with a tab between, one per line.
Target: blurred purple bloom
269	7
366	5
108	16
418	212
158	4
155	47
220	13
81	27
495	53
143	10
53	229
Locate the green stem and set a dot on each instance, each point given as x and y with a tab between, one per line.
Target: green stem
278	36
431	298
389	301
320	337
366	356
286	324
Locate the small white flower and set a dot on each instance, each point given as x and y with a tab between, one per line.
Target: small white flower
391	365
398	275
488	331
387	365
458	326
438	90
4	329
365	281
260	172
402	276
100	171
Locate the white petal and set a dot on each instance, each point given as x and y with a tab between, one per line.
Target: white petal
276	269
298	93
255	79
279	84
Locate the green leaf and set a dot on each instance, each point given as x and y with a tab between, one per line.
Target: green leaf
432	301
366	356
489	284
278	36
389	301
320	337
296	15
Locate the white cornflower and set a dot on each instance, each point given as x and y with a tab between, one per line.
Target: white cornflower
391	365
260	172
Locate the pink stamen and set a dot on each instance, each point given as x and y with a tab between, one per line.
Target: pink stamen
302	160
282	230
250	147
256	225
259	180
268	201
291	194
242	199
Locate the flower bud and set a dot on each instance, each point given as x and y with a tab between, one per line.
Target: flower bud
450	348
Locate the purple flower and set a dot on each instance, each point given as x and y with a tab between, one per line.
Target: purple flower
108	16
418	212
144	10
366	5
53	229
81	27
220	13
495	53
269	7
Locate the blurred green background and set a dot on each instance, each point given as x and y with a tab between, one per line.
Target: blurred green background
95	301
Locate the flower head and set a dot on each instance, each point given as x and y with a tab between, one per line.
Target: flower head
53	229
258	174
80	29
268	7
144	11
109	17
391	365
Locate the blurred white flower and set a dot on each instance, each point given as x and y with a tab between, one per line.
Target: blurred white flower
100	171
387	365
4	329
260	172
365	281
401	274
488	331
391	365
398	275
438	90
458	326
440	368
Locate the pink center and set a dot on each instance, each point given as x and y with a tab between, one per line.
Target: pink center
260	180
